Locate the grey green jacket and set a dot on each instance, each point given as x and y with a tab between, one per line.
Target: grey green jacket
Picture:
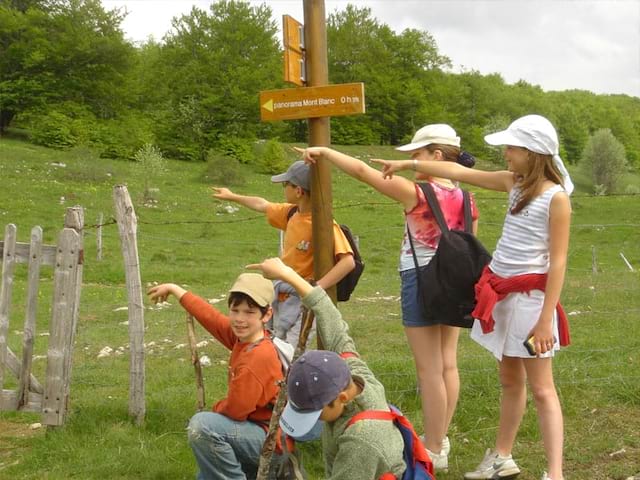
369	448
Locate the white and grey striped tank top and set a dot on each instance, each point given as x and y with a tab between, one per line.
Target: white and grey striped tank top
524	244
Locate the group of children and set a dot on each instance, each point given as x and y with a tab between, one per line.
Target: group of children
517	299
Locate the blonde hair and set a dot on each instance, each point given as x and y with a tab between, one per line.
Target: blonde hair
541	168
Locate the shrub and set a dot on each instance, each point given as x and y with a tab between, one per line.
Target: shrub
238	148
151	161
604	159
223	170
52	129
272	157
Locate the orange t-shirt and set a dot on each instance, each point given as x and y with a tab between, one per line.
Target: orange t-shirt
254	368
297	251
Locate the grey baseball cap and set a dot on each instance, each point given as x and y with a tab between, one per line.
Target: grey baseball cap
298	174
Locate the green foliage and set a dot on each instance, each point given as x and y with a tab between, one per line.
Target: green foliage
272	157
605	159
61	51
223	170
152	163
216	63
235	147
124	136
52	129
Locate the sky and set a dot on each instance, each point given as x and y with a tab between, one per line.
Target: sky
557	44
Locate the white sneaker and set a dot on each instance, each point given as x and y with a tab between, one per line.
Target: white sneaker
494	467
440	460
446	445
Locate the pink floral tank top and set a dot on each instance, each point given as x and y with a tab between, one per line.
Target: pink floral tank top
424	228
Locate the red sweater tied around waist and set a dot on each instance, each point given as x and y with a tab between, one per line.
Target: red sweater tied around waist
492	288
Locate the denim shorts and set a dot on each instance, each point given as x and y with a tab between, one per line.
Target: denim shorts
411	309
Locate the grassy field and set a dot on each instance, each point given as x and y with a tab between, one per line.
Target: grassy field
188	238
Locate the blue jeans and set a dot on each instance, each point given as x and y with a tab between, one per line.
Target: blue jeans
224	448
412	315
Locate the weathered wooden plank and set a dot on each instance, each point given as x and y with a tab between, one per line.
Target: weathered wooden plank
16	368
30	316
9	401
64	278
47	257
8	264
127	228
74	219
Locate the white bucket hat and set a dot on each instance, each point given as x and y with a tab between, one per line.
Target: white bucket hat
535	133
437	133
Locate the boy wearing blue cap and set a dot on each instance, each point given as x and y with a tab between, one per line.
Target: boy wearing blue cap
294	218
328	387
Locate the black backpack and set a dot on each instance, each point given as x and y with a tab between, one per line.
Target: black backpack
347	285
446	284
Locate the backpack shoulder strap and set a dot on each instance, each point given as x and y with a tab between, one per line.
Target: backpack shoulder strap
466	205
291	212
372	415
434	205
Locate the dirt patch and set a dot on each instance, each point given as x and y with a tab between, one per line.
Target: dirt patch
12	444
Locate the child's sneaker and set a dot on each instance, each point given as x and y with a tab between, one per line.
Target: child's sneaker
440	460
494	467
446	445
547	477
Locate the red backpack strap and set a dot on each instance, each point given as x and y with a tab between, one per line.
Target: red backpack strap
372	415
345	355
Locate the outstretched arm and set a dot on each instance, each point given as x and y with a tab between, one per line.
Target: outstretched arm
160	293
332	329
258	204
274	269
399	188
501	181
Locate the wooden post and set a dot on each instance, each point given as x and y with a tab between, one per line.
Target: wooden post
195	361
315	39
127	228
99	237
35	251
60	349
8	264
74	220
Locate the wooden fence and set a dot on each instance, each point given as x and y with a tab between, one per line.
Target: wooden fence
51	398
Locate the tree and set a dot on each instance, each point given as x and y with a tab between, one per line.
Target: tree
216	63
604	159
392	66
60	52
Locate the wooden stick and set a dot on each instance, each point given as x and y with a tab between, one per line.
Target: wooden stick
270	441
195	361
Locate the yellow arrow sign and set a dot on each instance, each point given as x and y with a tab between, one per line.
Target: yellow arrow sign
268	105
312	102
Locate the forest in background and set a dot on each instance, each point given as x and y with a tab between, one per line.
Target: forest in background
69	77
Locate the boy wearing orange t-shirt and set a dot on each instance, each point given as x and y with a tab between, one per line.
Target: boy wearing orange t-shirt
228	440
294	218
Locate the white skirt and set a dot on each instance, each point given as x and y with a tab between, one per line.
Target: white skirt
515	316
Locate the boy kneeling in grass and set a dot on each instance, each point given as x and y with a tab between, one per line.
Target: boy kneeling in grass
227	442
330	387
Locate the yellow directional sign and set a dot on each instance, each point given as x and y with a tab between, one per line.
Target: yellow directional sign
293	42
312	102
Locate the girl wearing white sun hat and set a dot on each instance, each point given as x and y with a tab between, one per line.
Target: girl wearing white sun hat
518	294
433	339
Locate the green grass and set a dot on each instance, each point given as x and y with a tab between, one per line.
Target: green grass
190	239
